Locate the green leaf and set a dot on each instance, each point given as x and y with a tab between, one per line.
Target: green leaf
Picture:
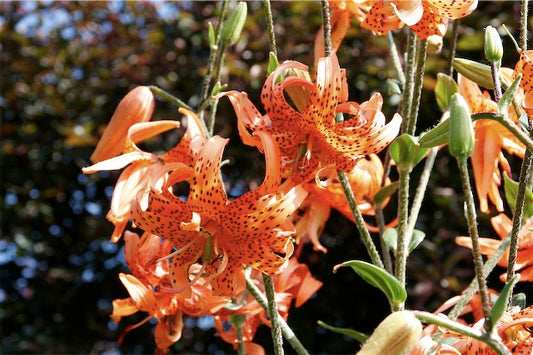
417	238
211	35
524	122
511	189
394	86
507	97
445	88
379	278
354	334
519	300
385	192
390	237
500	305
406	151
438	135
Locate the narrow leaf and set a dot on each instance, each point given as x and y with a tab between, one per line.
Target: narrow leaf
417	238
379	278
507	97
390	237
445	88
501	303
354	334
273	63
211	35
511	189
406	151
385	192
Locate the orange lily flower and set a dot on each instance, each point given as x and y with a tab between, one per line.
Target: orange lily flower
491	139
142	166
503	225
310	138
294	283
137	106
365	180
525	66
253	229
145	258
424	17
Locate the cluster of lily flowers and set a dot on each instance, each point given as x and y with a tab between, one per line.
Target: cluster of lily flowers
196	253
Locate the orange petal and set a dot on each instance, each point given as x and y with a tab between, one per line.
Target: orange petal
168	330
142	296
136	106
453	9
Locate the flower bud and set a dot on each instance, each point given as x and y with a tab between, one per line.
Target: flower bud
137	106
493	45
396	334
462	140
232	27
477	72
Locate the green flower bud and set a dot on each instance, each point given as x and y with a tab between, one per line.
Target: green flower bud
493	45
477	72
462	140
232	27
396	334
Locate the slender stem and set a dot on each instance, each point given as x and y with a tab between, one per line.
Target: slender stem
213	53
523	25
327	27
212	115
421	55
393	50
403	239
473	287
407	91
510	125
421	190
270	25
495	72
453	45
474	236
238	321
385	250
277	337
169	97
287	332
359	221
444	322
525	171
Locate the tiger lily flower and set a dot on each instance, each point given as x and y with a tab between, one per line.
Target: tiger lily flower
503	225
424	17
141	167
253	229
525	66
491	139
137	106
310	138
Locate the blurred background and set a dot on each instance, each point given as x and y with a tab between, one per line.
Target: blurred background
66	65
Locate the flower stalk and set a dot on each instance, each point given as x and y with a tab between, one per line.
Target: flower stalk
277	337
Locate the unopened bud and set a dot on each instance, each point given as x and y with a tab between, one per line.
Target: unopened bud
477	72
232	27
396	334
137	106
493	45
462	140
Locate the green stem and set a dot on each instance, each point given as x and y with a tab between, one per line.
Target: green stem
393	50
473	287
495	72
287	332
510	125
212	115
421	190
238	321
474	236
525	171
421	55
523	25
407	89
443	322
213	53
385	250
277	337
270	25
453	45
359	221
327	27
403	239
169	97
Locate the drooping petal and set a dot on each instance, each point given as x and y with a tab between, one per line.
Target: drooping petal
136	106
207	194
144	298
409	12
453	9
